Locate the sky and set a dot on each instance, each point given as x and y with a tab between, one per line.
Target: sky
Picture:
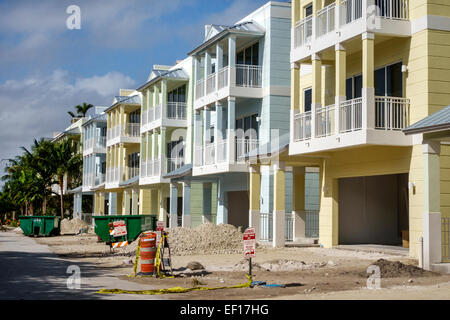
46	69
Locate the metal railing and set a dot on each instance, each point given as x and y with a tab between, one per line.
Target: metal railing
113	132
211	83
312	224
174	163
391	113
302	126
350	115
150	168
200	89
198	158
101	142
223	78
222	151
176	110
289	227
445	239
303	32
244	146
393	9
133	130
113	174
133	172
248	76
350	10
326	20
266	224
210	153
99	179
324	121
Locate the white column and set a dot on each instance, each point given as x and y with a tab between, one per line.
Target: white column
186	219
197	137
279	209
206	129
207	70
368	88
134	201
173	204
222	212
231	129
218	137
232	61
162	150
219	62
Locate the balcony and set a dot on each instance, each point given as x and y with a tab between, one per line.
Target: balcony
172	114
130	133
114	176
340	22
94	145
214	158
351	124
240	81
133	172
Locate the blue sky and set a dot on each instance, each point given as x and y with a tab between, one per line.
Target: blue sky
46	69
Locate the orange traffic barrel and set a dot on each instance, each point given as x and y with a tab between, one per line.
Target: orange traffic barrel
148	252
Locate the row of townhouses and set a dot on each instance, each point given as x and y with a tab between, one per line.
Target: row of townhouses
309	121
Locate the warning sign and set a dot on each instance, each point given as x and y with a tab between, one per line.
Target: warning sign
159	230
120	229
249	238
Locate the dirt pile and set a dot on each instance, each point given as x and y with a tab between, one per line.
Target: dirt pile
281	265
207	238
72	226
392	269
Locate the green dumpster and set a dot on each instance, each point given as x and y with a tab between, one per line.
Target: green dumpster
40	225
135	224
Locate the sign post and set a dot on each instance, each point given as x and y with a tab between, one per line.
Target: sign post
249	247
159	230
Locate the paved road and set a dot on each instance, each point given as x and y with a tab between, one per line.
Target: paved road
29	270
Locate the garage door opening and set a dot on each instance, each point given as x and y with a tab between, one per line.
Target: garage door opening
374	210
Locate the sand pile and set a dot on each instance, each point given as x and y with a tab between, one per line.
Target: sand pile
392	269
72	226
281	265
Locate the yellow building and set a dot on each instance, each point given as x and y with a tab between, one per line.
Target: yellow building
361	72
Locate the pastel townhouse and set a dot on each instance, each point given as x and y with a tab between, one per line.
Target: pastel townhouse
361	72
165	138
122	155
241	87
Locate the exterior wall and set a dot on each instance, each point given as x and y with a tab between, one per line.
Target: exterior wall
312	194
197	204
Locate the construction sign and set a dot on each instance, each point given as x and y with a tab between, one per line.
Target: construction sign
120	229
249	238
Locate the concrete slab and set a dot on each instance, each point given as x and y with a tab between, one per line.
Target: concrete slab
394	250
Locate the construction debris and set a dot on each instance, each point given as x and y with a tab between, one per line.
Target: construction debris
280	265
72	226
392	269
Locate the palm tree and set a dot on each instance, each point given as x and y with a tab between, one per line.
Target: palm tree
67	163
71	114
83	109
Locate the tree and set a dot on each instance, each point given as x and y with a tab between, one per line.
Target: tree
71	114
83	109
67	162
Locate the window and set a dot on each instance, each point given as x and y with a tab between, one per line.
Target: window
307	99
353	87
175	149
308	10
177	95
133	160
135	117
249	55
389	81
248	127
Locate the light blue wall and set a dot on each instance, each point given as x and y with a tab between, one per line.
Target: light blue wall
312	195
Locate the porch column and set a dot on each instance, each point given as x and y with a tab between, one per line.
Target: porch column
432	250
219	62
186	218
163	99
232	61
208	69
156	100
196	73
231	129
207	198
340	95
162	199
316	90
222	211
368	85
255	198
206	131
154	145
135	201
218	137
198	156
126	202
329	207
295	96
173	204
144	201
298	203
162	150
122	120
279	208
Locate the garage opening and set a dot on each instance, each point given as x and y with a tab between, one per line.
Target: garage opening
374	210
238	206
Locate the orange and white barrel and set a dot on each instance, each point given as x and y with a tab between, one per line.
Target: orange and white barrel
148	252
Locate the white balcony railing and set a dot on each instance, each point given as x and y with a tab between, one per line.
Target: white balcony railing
393	9
133	172
303	32
99	179
326	20
223	78
174	163
176	110
350	10
350	115
244	146
210	153
150	168
114	132
302	126
222	151
248	76
200	89
391	113
211	83
324	121
133	130
113	175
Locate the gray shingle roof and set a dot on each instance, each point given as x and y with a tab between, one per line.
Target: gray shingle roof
437	121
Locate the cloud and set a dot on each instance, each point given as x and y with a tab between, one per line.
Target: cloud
37	106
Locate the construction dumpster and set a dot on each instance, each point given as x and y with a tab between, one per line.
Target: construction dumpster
135	224
40	225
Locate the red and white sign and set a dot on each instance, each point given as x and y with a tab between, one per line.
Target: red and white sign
249	243
159	225
120	229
